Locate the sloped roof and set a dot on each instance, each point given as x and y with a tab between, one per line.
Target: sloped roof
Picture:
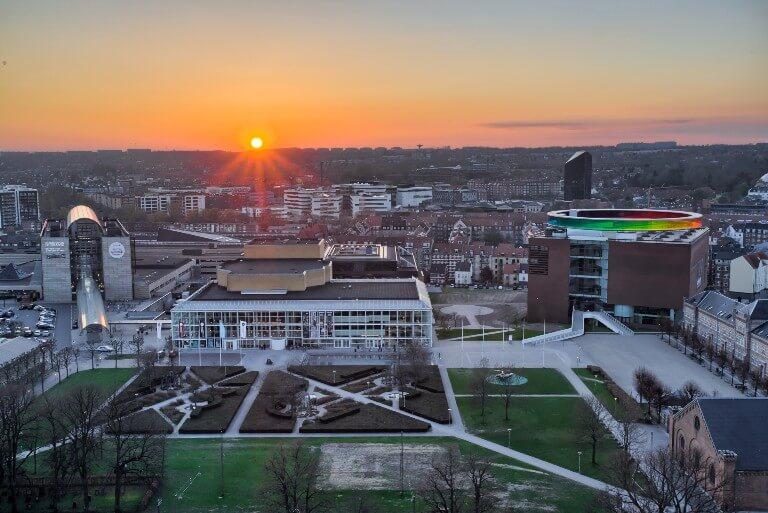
739	425
576	155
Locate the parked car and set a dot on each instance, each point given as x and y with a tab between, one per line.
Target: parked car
45	333
27	331
37	307
44	325
105	349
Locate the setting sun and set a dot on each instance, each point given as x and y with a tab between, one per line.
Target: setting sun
256	143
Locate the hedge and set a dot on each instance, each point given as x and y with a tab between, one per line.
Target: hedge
425	404
344	373
432	382
147	421
246	378
264	417
214	373
369	419
146	382
216	417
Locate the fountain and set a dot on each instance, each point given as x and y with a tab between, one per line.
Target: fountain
508	378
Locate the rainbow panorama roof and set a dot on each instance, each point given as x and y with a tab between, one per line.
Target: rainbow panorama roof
623	220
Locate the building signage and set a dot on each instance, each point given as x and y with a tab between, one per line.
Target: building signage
116	250
243	332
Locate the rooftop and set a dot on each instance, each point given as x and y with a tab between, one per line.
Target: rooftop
273	265
738	425
334	290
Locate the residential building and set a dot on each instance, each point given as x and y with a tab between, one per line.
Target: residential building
729	436
187	202
741	330
720	259
284	295
462	274
577	176
326	204
372	261
438	275
752	233
298	201
748	274
19	206
638	265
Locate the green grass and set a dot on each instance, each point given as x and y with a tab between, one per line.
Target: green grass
542	427
597	386
540	381
105	379
489	335
244	461
99	501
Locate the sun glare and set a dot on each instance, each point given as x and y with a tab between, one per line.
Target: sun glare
256	143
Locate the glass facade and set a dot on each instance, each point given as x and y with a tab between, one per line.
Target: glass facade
342	328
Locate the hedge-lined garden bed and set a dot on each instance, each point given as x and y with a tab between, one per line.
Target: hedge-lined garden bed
147	380
246	378
432	381
216	416
214	373
266	414
430	405
147	421
335	375
365	418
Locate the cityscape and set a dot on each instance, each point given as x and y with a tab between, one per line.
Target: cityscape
277	281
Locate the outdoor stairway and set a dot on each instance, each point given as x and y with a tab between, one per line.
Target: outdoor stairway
577	328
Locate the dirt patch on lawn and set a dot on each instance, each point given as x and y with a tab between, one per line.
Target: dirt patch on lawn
371	466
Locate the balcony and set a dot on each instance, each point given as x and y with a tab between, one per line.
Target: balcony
591	271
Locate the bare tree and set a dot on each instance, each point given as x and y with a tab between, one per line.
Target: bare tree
482	484
591	417
507	391
65	358
147	359
291	479
630	435
53	434
16	432
90	345
691	390
76	352
411	364
755	377
479	386
669	484
81	421
137	344
444	489
132	455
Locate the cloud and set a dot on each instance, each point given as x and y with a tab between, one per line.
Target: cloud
586	124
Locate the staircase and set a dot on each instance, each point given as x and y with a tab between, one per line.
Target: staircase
577	328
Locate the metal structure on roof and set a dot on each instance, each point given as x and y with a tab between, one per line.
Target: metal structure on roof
82	213
630	220
90	304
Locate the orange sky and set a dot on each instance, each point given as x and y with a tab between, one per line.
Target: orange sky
196	75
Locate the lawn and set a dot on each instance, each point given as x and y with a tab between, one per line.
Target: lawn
597	386
489	335
193	481
544	427
105	379
540	381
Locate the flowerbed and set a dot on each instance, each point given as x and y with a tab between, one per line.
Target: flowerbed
214	373
216	416
368	418
336	374
265	416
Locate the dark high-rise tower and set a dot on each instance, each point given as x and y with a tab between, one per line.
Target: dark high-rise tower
577	176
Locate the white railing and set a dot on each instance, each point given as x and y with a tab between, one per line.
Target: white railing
577	328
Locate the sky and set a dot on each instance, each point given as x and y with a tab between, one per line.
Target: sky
211	75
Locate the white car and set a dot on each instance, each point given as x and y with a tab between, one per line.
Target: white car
105	349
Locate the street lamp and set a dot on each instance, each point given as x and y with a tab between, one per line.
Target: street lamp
579	452
449	415
509	437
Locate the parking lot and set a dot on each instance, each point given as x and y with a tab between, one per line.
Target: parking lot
62	330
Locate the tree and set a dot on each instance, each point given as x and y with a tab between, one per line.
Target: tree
691	390
66	356
444	489
411	365
291	479
137	343
90	345
16	431
132	455
591	417
53	434
711	350
670	484
486	275
507	391
481	482
81	422
644	382
492	237
755	377
630	435
479	386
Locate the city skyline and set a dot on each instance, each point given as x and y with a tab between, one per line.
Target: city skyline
187	76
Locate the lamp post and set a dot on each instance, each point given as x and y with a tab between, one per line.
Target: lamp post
509	438
449	415
579	453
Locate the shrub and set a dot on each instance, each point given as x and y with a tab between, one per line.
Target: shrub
432	381
369	419
430	405
263	417
343	373
246	378
216	416
214	373
147	421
